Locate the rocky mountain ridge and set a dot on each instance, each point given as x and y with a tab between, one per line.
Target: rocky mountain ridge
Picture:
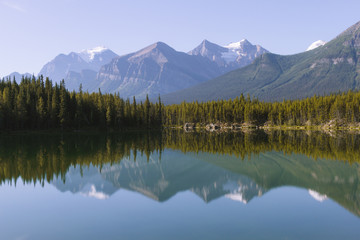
153	70
232	56
328	69
76	68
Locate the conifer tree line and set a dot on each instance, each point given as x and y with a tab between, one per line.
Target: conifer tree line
39	104
316	110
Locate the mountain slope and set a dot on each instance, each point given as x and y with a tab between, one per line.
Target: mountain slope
211	51
97	57
243	53
85	77
61	65
230	57
17	76
156	69
331	68
76	68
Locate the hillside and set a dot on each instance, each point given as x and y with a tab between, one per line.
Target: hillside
156	69
330	68
230	57
153	70
78	68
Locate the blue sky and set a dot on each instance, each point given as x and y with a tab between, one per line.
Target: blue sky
33	32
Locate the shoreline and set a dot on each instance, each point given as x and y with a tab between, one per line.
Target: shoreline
246	126
219	128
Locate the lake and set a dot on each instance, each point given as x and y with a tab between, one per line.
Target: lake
180	185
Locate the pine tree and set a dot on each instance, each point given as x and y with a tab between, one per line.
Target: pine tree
63	111
147	111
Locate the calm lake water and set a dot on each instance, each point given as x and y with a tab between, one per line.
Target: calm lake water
177	185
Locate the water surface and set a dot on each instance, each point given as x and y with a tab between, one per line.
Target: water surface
177	185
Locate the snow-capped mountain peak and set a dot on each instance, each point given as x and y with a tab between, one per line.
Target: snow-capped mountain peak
236	45
236	50
89	54
316	44
231	56
77	67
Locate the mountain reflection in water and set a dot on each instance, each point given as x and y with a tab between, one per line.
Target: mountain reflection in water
239	166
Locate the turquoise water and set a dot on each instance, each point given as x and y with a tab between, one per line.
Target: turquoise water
170	194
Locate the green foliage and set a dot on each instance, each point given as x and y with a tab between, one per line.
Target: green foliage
315	110
33	105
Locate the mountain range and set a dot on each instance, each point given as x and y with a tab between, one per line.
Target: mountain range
153	70
156	69
329	68
212	72
230	57
160	69
77	68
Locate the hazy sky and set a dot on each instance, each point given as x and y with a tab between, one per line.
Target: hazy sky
34	31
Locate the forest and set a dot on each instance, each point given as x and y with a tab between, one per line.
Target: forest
38	104
313	111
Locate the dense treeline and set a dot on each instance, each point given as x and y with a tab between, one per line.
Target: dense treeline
38	104
316	110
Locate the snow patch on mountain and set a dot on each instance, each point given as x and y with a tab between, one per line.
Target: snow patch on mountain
316	44
89	54
235	50
229	56
235	45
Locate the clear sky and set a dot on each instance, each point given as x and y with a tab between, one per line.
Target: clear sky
32	32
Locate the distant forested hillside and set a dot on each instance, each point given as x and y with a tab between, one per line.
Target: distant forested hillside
316	110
